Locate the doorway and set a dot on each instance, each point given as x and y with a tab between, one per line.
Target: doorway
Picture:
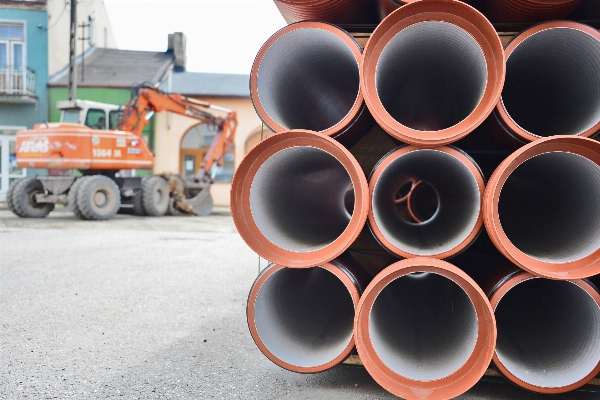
9	170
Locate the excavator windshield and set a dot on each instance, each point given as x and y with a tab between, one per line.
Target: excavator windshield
71	115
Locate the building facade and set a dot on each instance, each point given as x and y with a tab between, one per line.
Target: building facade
96	31
34	44
23	77
181	141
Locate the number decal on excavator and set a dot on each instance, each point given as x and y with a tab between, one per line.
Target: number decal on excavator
102	152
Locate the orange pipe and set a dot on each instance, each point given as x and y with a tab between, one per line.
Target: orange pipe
334	11
299	199
529	10
425	330
548	332
552	75
386	7
302	319
452	176
540	207
306	76
432	72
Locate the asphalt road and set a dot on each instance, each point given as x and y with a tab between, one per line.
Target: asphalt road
148	308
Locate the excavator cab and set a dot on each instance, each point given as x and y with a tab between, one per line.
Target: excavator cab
92	114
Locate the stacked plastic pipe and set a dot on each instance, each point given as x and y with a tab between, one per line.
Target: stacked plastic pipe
430	202
366	12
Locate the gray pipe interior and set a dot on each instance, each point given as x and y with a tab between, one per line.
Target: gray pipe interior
548	332
305	316
299	198
548	207
423	326
431	76
553	82
308	79
459	202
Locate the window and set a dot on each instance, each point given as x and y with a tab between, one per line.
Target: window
115	118
71	115
13	65
14	31
194	146
95	119
225	174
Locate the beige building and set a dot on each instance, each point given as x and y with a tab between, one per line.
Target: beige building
59	17
181	142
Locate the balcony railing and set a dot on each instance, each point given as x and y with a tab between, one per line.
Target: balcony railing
41	2
17	81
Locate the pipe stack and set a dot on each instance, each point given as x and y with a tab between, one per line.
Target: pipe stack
431	109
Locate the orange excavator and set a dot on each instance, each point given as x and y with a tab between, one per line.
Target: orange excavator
104	143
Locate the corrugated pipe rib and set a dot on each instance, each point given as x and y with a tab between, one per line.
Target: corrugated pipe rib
529	10
299	199
306	76
334	11
548	332
552	82
541	207
426	202
432	72
386	7
425	330
302	318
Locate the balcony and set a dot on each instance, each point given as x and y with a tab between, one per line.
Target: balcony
17	85
35	4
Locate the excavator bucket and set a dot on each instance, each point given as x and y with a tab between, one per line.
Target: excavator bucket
202	203
188	196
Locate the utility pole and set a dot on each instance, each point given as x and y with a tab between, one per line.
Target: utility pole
72	42
83	38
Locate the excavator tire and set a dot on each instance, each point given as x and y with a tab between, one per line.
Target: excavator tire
72	197
98	198
138	201
9	197
23	199
155	196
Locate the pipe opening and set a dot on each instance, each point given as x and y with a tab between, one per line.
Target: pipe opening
305	317
553	83
448	204
548	332
299	198
416	202
431	76
423	326
308	79
548	207
423	202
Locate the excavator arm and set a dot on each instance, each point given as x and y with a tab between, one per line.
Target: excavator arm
187	196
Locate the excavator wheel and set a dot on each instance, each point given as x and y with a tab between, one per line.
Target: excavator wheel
9	197
98	198
138	201
72	197
23	199
155	196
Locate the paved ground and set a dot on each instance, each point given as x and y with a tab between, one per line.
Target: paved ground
150	308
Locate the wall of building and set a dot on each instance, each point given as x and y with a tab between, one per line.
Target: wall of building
59	17
36	45
169	134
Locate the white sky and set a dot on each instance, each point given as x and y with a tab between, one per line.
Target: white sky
222	35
